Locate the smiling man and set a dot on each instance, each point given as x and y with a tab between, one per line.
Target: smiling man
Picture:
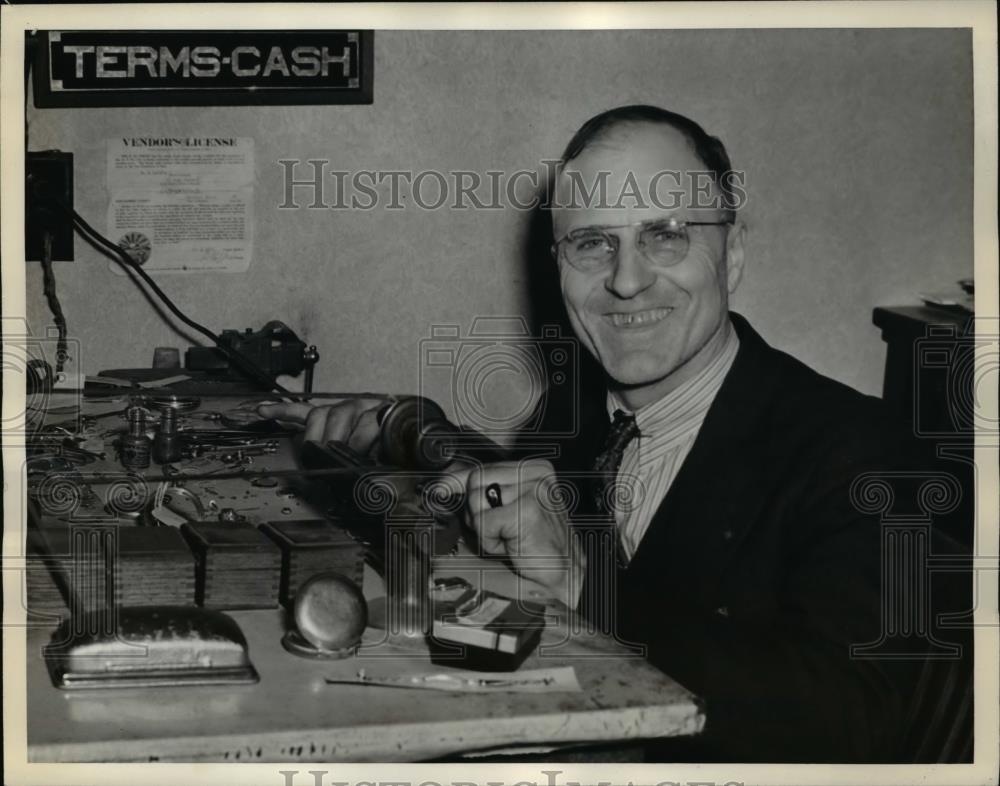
646	286
646	283
740	560
731	546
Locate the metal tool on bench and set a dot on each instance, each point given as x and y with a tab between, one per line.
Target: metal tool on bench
274	350
414	434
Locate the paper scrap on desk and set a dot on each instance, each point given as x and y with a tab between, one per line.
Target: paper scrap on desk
956	299
555	680
167	517
128	383
122	383
165	381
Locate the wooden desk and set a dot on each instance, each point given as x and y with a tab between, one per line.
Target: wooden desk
293	715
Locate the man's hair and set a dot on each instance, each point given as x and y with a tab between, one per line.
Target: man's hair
709	149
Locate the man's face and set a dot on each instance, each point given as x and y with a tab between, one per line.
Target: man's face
650	327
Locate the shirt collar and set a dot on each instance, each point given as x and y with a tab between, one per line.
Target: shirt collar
689	401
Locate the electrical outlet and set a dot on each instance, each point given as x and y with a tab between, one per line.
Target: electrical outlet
48	175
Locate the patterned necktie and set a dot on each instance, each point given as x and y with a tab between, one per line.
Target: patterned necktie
623	430
603	545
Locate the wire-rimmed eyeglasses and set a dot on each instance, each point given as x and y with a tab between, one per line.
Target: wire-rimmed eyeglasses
664	242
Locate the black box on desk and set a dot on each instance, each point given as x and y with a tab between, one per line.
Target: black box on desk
237	566
484	631
311	546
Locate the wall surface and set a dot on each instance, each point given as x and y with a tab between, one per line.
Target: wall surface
857	146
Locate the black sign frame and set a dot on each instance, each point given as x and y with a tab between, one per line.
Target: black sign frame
358	90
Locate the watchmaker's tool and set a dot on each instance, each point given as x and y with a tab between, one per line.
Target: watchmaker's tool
556	680
135	447
167	442
415	433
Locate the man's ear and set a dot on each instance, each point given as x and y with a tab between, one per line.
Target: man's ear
735	239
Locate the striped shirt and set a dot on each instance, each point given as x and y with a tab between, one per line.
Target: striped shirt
668	428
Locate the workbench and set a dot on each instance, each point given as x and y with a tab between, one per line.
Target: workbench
292	714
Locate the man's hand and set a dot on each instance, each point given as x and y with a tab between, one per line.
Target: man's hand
530	527
354	421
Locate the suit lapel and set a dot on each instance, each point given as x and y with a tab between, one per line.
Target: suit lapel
713	499
578	453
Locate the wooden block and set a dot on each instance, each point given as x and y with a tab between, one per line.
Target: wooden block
314	546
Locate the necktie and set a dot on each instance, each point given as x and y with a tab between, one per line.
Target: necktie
623	431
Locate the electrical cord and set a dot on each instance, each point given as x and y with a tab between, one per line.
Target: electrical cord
122	258
49	287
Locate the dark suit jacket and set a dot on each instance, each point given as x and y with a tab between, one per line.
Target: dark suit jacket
758	572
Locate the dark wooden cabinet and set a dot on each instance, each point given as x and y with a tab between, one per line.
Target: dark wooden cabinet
929	367
930	382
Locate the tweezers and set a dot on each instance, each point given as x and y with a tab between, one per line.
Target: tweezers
439	681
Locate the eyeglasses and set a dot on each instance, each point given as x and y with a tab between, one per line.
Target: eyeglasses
663	242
